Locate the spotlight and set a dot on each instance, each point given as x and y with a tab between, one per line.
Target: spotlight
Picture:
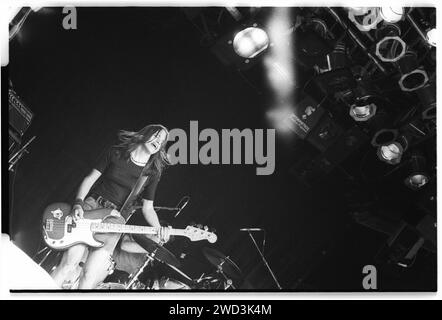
365	20
415	181
390	47
414	80
432	36
392	14
362	113
250	42
363	109
418	176
413	77
391	153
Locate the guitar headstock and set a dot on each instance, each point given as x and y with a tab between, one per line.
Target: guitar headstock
197	234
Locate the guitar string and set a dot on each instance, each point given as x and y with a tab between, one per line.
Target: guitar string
85	227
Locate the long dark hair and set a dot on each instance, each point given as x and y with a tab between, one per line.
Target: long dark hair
129	141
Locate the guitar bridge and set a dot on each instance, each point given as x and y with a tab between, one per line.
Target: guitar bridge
49	226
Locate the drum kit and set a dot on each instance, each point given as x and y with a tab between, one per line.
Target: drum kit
222	274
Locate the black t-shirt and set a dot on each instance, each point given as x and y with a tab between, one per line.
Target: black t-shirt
119	176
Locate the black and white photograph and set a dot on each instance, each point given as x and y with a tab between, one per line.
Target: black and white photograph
178	148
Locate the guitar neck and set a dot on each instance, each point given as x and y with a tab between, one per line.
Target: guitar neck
123	228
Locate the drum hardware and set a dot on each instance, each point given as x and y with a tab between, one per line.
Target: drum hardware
150	257
172	284
228	282
223	263
156	252
180	272
226	269
161	253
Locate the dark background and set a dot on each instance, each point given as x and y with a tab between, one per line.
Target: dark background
128	67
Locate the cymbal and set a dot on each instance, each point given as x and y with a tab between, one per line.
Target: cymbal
223	263
159	252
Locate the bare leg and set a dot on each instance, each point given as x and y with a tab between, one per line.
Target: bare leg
69	264
96	268
98	262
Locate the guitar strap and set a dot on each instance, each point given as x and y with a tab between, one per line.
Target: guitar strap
125	210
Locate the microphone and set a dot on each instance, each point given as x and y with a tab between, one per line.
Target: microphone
251	229
183	202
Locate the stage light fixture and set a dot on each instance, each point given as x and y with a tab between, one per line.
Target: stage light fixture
363	110
392	14
390	47
391	153
362	113
432	37
418	176
250	42
415	181
413	77
365	20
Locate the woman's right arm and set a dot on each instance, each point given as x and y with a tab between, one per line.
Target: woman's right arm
83	190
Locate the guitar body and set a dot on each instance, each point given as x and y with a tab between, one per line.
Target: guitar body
60	231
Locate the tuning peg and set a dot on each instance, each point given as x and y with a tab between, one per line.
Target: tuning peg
199	226
206	228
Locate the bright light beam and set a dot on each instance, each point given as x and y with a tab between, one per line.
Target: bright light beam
279	66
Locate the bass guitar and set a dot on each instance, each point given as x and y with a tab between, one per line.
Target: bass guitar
61	230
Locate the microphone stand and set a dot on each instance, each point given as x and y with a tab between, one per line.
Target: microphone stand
264	260
166	208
